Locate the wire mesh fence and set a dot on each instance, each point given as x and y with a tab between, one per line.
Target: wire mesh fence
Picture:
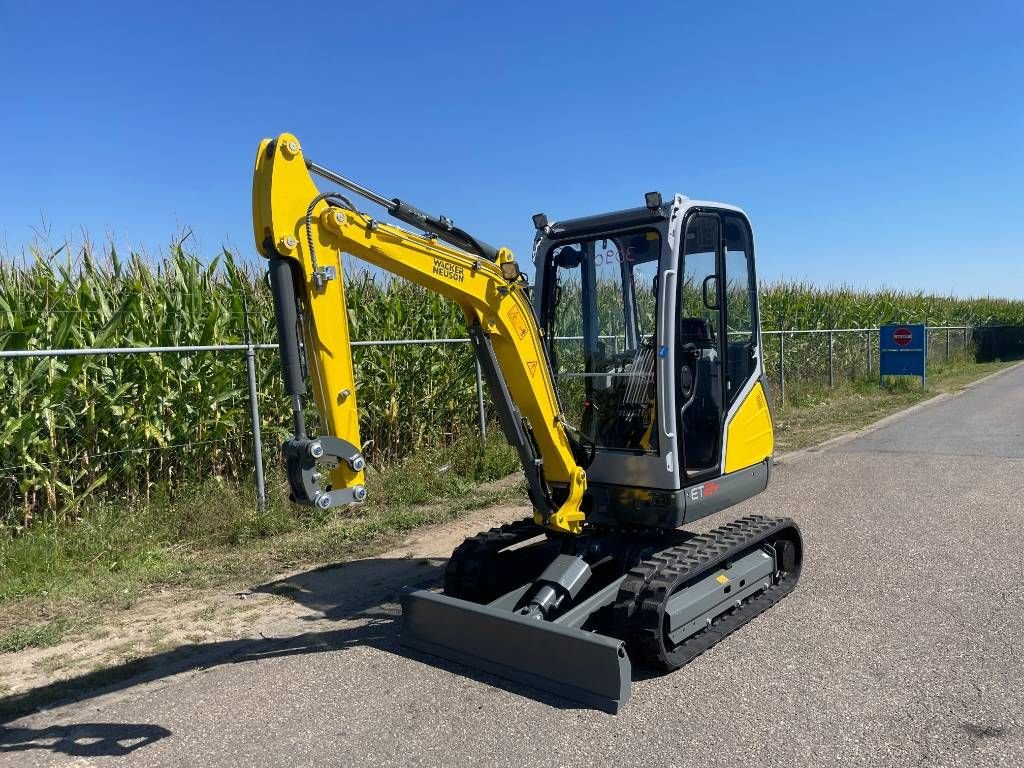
827	357
231	399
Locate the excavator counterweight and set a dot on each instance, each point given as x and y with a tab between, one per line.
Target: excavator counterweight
631	384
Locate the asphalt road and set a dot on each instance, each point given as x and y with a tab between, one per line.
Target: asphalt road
902	645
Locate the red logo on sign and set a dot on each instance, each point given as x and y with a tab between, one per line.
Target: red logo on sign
710	489
902	336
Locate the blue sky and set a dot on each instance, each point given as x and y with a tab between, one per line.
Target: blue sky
871	143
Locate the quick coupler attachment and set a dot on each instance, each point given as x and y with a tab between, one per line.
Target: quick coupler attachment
304	477
583	666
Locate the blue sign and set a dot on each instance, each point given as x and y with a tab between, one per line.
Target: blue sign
903	351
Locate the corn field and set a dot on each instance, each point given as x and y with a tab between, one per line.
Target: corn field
118	426
72	427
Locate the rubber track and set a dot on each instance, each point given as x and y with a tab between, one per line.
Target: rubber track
470	573
639	607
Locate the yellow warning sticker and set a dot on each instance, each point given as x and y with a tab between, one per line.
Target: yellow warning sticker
722	578
531	366
516	318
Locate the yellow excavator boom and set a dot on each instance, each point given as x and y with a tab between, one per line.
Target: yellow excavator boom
304	232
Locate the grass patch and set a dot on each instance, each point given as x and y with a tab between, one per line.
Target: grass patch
210	534
204	614
38	635
54	663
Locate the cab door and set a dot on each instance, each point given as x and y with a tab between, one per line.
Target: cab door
749	433
717	340
700	350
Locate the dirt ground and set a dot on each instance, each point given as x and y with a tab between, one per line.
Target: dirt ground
187	624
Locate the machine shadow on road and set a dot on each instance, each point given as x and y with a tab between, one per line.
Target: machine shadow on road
83	739
361	594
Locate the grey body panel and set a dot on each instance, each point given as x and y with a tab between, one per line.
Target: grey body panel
617	504
583	666
731	489
647	470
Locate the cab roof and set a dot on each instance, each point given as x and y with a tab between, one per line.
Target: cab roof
629	218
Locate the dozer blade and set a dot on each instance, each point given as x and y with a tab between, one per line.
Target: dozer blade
583	666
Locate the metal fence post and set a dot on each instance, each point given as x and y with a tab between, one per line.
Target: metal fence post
831	368
782	369
254	415
480	401
947	345
924	371
965	341
867	346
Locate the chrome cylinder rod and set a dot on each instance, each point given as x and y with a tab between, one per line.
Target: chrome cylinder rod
352	186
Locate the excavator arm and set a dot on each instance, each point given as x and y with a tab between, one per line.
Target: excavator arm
303	232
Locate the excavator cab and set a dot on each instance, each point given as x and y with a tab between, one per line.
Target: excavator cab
650	323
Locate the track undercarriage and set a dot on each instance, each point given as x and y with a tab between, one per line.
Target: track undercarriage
560	612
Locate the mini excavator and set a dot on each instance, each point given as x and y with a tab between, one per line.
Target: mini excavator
628	377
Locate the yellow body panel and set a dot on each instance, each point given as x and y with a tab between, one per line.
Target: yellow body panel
751	436
282	192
